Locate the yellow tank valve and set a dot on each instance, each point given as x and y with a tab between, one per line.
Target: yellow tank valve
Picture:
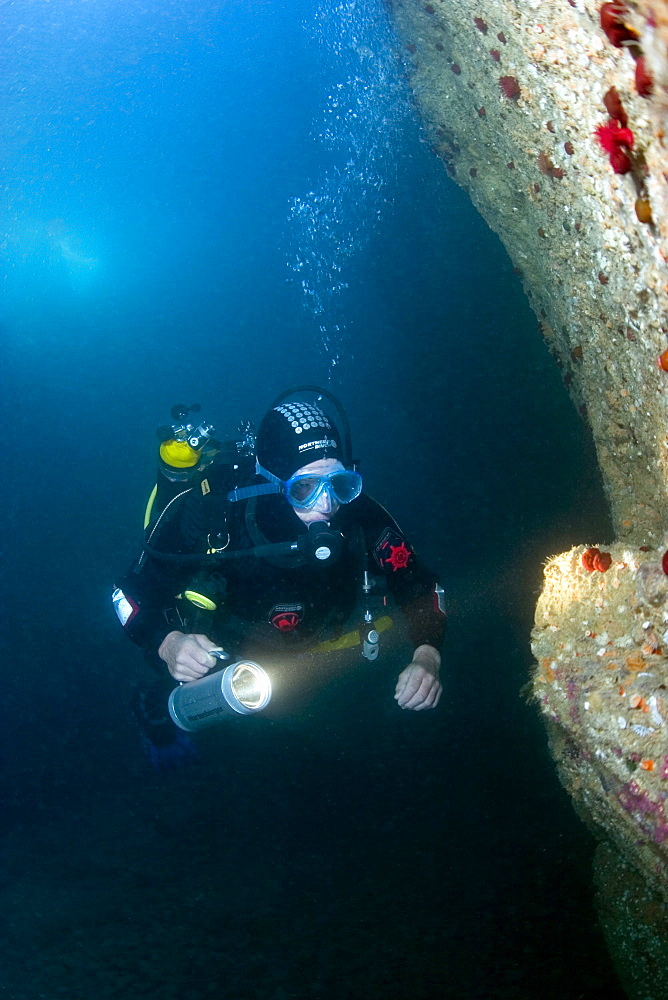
179	454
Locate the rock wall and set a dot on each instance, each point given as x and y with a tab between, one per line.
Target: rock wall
600	641
553	115
512	92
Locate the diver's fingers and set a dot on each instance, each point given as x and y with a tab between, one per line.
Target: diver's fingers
187	672
432	699
204	642
414	679
194	657
421	688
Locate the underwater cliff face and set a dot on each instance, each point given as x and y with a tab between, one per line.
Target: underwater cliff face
553	116
601	642
512	94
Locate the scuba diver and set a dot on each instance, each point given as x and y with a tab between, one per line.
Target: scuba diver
274	551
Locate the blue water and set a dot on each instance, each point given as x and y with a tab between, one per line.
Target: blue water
213	201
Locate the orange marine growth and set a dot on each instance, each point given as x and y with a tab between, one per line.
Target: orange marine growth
588	559
643	211
603	562
594	559
546	664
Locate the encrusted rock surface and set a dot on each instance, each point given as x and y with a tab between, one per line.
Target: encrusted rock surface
595	275
601	644
512	93
601	641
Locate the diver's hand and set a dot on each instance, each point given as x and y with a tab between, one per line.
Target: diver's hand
187	656
418	685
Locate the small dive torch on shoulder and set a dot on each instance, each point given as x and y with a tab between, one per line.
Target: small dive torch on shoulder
241	688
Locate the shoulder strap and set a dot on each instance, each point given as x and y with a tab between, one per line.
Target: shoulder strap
203	505
166	515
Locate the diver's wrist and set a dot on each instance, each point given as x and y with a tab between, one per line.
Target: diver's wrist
428	657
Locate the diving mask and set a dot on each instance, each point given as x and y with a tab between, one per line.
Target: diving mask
303	491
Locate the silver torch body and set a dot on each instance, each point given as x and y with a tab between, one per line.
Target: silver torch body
241	688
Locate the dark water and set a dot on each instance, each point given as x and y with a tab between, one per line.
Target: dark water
214	201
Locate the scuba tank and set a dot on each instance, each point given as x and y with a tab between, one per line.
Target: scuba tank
186	449
181	456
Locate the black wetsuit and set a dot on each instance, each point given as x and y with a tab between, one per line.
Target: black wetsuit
286	603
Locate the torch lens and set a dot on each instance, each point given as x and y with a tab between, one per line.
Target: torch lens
251	686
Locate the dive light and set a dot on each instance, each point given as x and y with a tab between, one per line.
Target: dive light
241	688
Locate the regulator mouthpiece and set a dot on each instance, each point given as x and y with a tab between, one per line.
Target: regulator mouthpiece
242	688
322	545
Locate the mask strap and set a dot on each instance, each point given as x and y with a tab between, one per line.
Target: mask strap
275	485
268	475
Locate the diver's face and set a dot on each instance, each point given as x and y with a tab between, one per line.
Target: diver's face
325	506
